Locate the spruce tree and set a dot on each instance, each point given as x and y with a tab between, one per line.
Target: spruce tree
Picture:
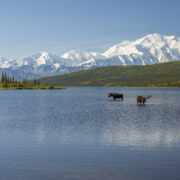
13	79
19	83
2	78
5	78
34	81
38	82
8	79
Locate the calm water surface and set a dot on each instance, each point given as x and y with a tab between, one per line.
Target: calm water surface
79	134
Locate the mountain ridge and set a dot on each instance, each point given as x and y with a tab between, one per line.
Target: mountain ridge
150	49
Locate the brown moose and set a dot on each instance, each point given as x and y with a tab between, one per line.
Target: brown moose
115	95
142	99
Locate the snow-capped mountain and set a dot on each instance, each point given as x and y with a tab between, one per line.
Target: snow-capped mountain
153	48
78	57
43	58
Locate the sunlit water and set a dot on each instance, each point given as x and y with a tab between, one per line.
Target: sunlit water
80	134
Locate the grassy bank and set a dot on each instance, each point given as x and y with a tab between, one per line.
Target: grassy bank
26	86
8	82
156	75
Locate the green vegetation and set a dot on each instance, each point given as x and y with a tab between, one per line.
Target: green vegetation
10	83
156	75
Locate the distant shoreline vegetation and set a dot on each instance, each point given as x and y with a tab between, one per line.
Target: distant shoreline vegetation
156	75
9	83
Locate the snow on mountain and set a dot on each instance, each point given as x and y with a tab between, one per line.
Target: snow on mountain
77	57
153	48
42	58
6	63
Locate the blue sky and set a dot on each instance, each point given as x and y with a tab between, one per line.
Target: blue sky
57	26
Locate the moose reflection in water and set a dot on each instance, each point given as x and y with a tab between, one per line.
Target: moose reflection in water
142	99
115	96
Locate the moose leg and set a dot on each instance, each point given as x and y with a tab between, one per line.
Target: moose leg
144	102
114	98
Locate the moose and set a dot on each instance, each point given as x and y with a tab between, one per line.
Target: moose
115	95
142	99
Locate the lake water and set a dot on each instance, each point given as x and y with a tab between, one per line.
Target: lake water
80	134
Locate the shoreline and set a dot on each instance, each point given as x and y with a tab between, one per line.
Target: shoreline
33	88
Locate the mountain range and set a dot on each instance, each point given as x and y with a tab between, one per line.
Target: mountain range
150	49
